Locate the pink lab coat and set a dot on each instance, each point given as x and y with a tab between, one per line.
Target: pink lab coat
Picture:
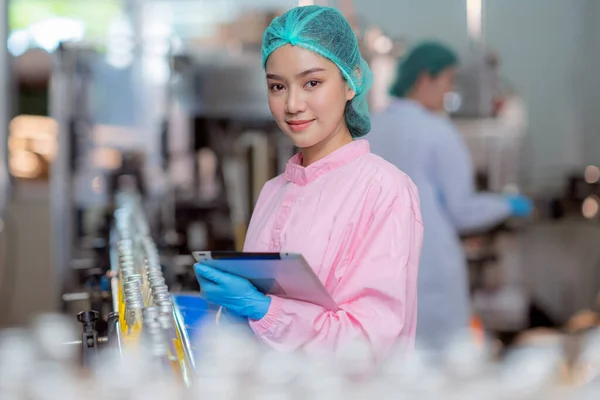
356	219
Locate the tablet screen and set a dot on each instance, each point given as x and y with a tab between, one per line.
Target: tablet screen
234	255
286	275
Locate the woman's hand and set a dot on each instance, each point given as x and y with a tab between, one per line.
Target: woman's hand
234	293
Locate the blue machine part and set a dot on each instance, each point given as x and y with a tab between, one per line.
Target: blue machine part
105	284
192	312
192	308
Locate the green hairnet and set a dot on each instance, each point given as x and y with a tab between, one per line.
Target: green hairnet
430	57
325	31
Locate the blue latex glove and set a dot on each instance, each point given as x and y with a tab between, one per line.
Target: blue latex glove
234	293
520	206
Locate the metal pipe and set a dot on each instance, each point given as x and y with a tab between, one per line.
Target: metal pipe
68	297
61	109
102	339
5	97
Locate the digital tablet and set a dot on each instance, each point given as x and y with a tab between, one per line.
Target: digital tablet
285	275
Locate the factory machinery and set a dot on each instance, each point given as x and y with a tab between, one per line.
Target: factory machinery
143	313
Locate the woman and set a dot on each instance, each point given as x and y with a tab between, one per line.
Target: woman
412	134
353	216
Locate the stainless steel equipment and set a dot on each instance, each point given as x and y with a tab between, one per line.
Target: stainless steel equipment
5	113
62	109
5	110
142	314
140	295
477	85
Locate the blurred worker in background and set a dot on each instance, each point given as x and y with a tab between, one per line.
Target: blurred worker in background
353	216
413	134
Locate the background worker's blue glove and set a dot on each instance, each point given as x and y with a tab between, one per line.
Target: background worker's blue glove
520	206
234	293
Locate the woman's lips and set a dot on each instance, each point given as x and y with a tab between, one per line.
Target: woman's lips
300	125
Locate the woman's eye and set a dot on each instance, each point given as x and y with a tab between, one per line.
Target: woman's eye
312	84
276	87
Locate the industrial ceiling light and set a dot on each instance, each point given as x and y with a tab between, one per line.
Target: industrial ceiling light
475	20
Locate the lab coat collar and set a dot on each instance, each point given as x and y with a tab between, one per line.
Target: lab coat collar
296	173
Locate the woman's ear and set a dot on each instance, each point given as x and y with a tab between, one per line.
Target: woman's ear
349	93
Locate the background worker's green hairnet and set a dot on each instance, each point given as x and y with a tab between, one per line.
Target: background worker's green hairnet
430	57
325	31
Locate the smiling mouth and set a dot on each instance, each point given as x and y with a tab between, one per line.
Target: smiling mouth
298	126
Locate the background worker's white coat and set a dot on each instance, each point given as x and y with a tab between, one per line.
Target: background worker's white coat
432	152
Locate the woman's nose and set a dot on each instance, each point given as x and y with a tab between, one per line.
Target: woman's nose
295	102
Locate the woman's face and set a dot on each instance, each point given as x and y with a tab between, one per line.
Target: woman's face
307	96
